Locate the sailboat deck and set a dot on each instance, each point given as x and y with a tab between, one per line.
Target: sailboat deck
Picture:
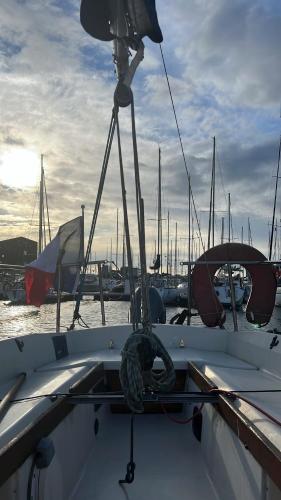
59	375
270	402
168	457
169	463
111	359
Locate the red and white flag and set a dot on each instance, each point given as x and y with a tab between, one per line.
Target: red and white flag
66	248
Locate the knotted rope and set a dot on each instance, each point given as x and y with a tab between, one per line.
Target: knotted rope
136	371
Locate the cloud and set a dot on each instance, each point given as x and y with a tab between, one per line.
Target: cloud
57	86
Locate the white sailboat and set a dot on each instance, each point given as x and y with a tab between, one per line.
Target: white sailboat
76	422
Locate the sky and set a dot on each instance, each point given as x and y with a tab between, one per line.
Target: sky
56	95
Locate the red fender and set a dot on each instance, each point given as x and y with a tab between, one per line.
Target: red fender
262	299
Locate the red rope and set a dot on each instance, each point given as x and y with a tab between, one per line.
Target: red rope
251	403
177	420
227	394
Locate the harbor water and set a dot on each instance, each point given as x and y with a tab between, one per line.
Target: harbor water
22	320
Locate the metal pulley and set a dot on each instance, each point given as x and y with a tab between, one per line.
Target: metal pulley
125	22
101	19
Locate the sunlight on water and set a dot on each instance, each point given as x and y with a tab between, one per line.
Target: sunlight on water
22	320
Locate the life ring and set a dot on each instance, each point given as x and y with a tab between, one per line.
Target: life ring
262	298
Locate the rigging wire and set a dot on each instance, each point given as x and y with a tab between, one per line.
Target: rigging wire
76	315
221	392
35	199
180	140
190	192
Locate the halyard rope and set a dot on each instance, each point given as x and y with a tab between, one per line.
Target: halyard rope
136	373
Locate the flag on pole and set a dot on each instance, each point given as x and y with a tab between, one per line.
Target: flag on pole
66	251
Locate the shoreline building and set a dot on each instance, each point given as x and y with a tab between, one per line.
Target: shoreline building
18	251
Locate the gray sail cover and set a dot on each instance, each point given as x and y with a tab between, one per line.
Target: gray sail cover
156	306
98	18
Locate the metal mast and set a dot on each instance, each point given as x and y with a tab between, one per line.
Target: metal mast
168	242
274	204
117	236
41	207
159	243
229	218
211	228
176	250
222	230
214	186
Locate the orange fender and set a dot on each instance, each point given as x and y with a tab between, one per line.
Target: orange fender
262	299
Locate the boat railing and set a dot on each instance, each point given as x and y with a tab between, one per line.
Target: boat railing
232	262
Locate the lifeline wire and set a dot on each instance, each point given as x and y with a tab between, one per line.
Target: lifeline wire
227	393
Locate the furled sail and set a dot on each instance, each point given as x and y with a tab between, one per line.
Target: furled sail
101	19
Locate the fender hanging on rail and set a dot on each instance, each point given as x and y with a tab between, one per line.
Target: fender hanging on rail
262	299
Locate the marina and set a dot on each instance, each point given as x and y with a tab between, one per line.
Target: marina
140	317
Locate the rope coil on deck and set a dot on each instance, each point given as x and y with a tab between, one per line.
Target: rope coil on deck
136	371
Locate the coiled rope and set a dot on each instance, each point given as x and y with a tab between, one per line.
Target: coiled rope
136	371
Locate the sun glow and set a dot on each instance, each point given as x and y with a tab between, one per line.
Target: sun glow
19	168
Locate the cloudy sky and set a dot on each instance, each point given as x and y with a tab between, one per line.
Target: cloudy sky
56	88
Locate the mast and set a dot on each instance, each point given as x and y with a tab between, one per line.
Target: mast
274	204
242	234
222	230
211	228
189	253
250	241
171	256
159	243
214	186
41	204
176	250
168	241
47	206
123	252
229	218
117	236
192	238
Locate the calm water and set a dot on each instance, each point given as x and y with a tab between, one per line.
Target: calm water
21	320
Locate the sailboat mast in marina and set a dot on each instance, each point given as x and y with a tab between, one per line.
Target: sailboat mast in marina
159	240
43	211
274	203
211	228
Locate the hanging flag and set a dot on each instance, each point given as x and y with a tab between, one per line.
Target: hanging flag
65	251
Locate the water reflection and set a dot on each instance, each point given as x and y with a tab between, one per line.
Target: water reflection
21	320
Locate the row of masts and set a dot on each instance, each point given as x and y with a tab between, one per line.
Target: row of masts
173	254
44	232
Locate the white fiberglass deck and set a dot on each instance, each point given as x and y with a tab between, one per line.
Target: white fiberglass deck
169	463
